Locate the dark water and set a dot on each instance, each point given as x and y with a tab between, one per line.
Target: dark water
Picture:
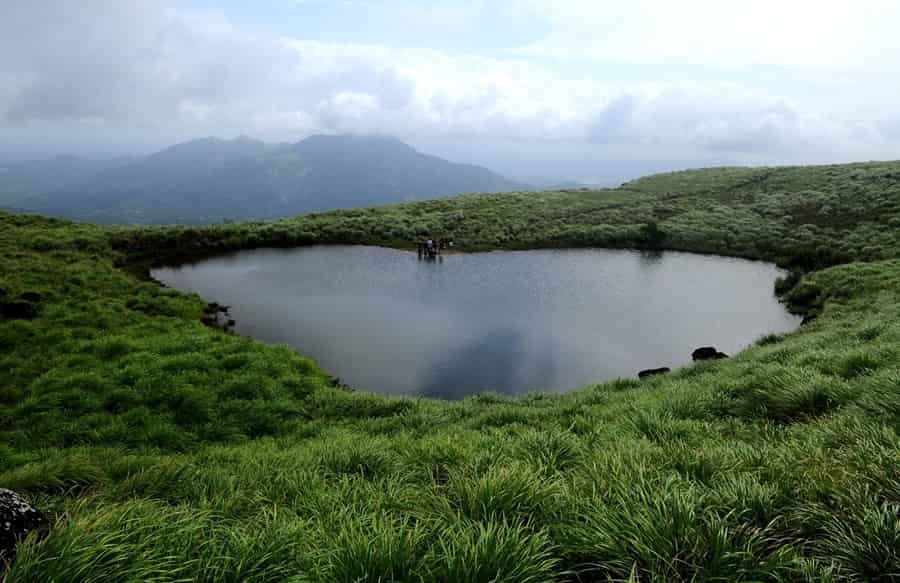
385	321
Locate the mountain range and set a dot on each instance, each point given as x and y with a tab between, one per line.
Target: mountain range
210	180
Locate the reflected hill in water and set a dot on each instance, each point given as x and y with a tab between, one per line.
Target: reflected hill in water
497	360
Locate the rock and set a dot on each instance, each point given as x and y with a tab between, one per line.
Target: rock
707	353
215	308
17	518
337	384
32	297
18	311
650	372
230	323
704	353
3	292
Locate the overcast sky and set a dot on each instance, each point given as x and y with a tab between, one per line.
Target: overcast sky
538	89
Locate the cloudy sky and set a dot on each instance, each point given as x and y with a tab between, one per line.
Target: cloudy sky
541	90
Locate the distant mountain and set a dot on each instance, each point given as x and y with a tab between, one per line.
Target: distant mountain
208	180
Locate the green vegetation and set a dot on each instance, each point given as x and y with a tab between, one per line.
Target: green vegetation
804	217
165	450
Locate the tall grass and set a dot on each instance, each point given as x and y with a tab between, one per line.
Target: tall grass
163	450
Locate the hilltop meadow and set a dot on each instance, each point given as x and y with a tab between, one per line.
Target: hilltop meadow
166	450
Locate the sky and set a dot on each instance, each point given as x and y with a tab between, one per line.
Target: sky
541	90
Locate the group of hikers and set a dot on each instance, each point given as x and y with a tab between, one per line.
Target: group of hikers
430	248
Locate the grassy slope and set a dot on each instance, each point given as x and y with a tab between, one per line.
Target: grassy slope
168	450
804	216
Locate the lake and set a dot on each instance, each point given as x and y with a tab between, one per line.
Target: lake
512	322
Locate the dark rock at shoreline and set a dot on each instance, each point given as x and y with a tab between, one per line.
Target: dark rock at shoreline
215	308
337	384
3	292
707	353
18	311
650	372
32	297
215	315
17	518
210	320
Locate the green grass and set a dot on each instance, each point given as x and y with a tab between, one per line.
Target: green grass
804	217
164	450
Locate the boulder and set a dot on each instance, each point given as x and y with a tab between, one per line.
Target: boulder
214	308
209	320
3	292
17	518
32	297
707	353
337	384
651	372
18	311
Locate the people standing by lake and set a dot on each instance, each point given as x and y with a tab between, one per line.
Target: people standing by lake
432	247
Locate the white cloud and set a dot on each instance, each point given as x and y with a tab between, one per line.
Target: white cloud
818	33
159	69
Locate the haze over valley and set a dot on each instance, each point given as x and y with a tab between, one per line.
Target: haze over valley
212	180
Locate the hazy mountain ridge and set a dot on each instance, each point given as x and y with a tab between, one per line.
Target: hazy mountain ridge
209	180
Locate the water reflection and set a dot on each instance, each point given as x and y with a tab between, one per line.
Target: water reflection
510	322
650	257
498	360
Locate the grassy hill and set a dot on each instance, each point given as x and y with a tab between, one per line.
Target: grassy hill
803	217
167	450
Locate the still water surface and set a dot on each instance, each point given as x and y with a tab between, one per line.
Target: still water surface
511	322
